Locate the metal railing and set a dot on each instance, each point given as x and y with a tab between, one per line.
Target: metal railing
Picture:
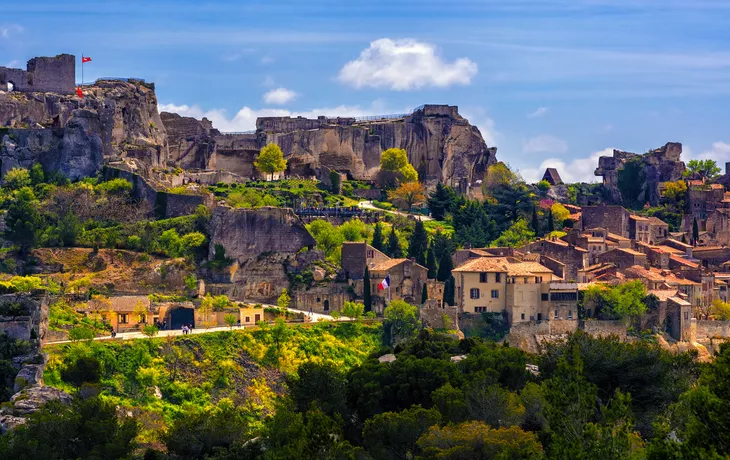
250	131
125	80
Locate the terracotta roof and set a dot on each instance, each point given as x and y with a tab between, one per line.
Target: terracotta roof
684	262
630	251
128	302
680	301
526	269
616	237
484	264
642	272
673	279
708	248
669	249
663	294
635	217
657	221
386	265
592	239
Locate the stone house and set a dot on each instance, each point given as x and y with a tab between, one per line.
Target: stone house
123	317
656	256
406	281
552	177
323	299
711	256
623	258
613	218
357	256
573	257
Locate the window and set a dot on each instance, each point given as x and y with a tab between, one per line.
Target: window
570	314
556	314
258	317
544	297
495	294
397	290
522	316
142	318
538	280
564	296
514	280
123	318
480	309
525	280
474	293
370	254
248	319
482	277
497	277
318	300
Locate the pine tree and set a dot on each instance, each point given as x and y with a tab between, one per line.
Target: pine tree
550	223
377	242
695	232
424	294
418	243
366	295
449	288
445	267
394	250
535	222
431	262
441	201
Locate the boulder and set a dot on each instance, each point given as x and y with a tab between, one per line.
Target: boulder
318	274
30	374
32	398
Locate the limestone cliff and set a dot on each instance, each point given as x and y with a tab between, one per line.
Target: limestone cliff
650	169
441	144
114	120
265	245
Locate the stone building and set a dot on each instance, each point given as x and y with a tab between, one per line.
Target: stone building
649	230
406	281
323	299
613	218
572	257
43	74
623	258
357	256
552	177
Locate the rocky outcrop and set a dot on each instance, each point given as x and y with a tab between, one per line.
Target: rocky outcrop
114	120
24	317
264	245
441	144
651	169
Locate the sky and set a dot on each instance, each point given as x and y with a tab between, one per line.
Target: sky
550	83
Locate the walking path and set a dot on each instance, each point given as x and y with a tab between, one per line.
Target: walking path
370	205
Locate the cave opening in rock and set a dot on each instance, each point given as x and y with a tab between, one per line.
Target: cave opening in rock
10	86
181	316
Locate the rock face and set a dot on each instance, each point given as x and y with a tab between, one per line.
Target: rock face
264	245
114	120
656	166
441	144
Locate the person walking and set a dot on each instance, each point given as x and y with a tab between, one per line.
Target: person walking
184	329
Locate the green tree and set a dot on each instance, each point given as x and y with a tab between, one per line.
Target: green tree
353	310
625	300
543	185
450	291
475	440
401	320
284	299
695	232
441	201
517	235
445	267
704	169
431	262
424	294
230	319
377	242
354	230
366	294
394	249
36	174
17	178
150	330
490	403
394	435
550	221
535	222
270	160
418	243
335	182
320	384
23	221
393	160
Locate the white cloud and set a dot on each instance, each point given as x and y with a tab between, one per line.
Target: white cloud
577	170
269	81
403	65
245	119
720	152
538	113
279	96
6	30
545	143
267	60
12	64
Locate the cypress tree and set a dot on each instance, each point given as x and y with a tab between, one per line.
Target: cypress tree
418	243
424	294
431	262
440	201
394	249
535	222
695	231
449	288
445	267
550	223
377	242
366	295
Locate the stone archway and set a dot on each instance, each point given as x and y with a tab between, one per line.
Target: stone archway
180	316
10	86
326	305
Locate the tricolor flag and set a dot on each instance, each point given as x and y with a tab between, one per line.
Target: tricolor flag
85	59
385	284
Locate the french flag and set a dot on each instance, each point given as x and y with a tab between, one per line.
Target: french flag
385	284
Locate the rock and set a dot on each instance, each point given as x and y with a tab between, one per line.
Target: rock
389	358
318	274
31	320
9	422
441	144
656	166
158	393
32	398
30	374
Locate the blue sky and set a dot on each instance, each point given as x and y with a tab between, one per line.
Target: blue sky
549	82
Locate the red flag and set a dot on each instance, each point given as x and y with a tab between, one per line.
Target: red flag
78	91
85	59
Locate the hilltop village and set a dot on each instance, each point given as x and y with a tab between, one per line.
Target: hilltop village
122	221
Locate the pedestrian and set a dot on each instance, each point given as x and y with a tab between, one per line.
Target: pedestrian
184	329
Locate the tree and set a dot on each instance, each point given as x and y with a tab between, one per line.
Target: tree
625	300
704	169
449	291
394	435
206	310
284	299
23	221
394	249
394	168
393	160
230	319
445	267
441	201
543	185
140	311
490	403
695	232
431	262
323	384
353	310
150	330
407	194
418	243
36	174
535	222
366	294
559	214
517	235
400	320
550	221
424	294
377	242
270	160
477	440
17	178
336	182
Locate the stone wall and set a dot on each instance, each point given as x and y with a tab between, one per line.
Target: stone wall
431	314
322	299
706	329
598	328
613	218
43	74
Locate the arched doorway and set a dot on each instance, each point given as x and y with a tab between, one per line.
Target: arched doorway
181	316
326	305
10	86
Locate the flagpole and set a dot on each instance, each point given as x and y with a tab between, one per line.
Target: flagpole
82	70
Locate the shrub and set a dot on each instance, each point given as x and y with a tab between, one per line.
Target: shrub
84	369
80	333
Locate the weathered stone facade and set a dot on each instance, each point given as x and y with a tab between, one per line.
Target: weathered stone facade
43	74
613	218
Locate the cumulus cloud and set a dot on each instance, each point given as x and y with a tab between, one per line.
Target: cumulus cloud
720	152
404	65
545	143
577	170
279	96
245	119
538	113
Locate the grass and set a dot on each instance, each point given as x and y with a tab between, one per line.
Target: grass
284	192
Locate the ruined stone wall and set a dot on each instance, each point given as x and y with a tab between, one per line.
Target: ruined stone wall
322	299
573	258
706	329
43	74
431	314
622	259
598	328
613	218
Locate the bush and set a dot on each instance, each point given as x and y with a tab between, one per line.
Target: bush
80	333
85	369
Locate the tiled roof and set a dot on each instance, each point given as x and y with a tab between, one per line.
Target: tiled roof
128	302
656	221
616	237
684	262
635	217
642	272
484	264
526	269
630	251
386	265
663	294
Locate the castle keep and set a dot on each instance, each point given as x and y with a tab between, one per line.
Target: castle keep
42	75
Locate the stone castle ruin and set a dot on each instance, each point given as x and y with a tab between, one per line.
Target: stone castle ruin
43	75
